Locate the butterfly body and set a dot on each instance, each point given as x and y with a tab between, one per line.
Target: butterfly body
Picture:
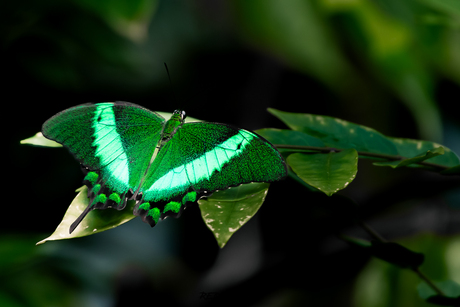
129	152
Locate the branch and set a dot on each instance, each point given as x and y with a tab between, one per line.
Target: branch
436	167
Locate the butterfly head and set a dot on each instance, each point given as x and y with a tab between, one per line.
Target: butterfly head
180	114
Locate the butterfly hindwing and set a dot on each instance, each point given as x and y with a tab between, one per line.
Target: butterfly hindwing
114	142
201	158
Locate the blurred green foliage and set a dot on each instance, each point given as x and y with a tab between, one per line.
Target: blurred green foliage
383	284
388	64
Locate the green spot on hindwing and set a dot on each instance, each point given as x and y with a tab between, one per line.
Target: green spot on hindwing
115	197
96	188
102	198
91	177
144	206
154	214
190	196
173	206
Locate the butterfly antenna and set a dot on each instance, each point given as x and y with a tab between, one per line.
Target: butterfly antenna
170	82
167	71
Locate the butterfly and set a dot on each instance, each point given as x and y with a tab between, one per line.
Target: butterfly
128	152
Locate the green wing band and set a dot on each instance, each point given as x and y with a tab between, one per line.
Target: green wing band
209	157
113	141
109	148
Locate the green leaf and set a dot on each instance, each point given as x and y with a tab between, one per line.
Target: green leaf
356	242
397	254
412	148
337	133
294	31
450	288
329	172
128	18
96	220
290	137
420	158
450	7
39	140
228	210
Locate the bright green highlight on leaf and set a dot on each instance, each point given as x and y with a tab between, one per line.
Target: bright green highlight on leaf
227	211
329	173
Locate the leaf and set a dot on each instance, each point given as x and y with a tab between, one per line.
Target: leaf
420	158
294	31
39	140
128	18
337	133
412	148
289	137
356	242
450	7
96	220
228	210
450	288
329	172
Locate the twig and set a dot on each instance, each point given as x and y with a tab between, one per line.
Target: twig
379	238
438	167
428	281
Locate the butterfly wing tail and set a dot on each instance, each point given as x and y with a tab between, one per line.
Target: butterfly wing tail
80	218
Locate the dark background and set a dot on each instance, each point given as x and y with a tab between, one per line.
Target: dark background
391	65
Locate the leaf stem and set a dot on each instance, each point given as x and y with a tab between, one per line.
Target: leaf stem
379	238
372	232
428	281
437	167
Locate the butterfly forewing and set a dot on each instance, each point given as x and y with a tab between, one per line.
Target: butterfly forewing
205	157
116	141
